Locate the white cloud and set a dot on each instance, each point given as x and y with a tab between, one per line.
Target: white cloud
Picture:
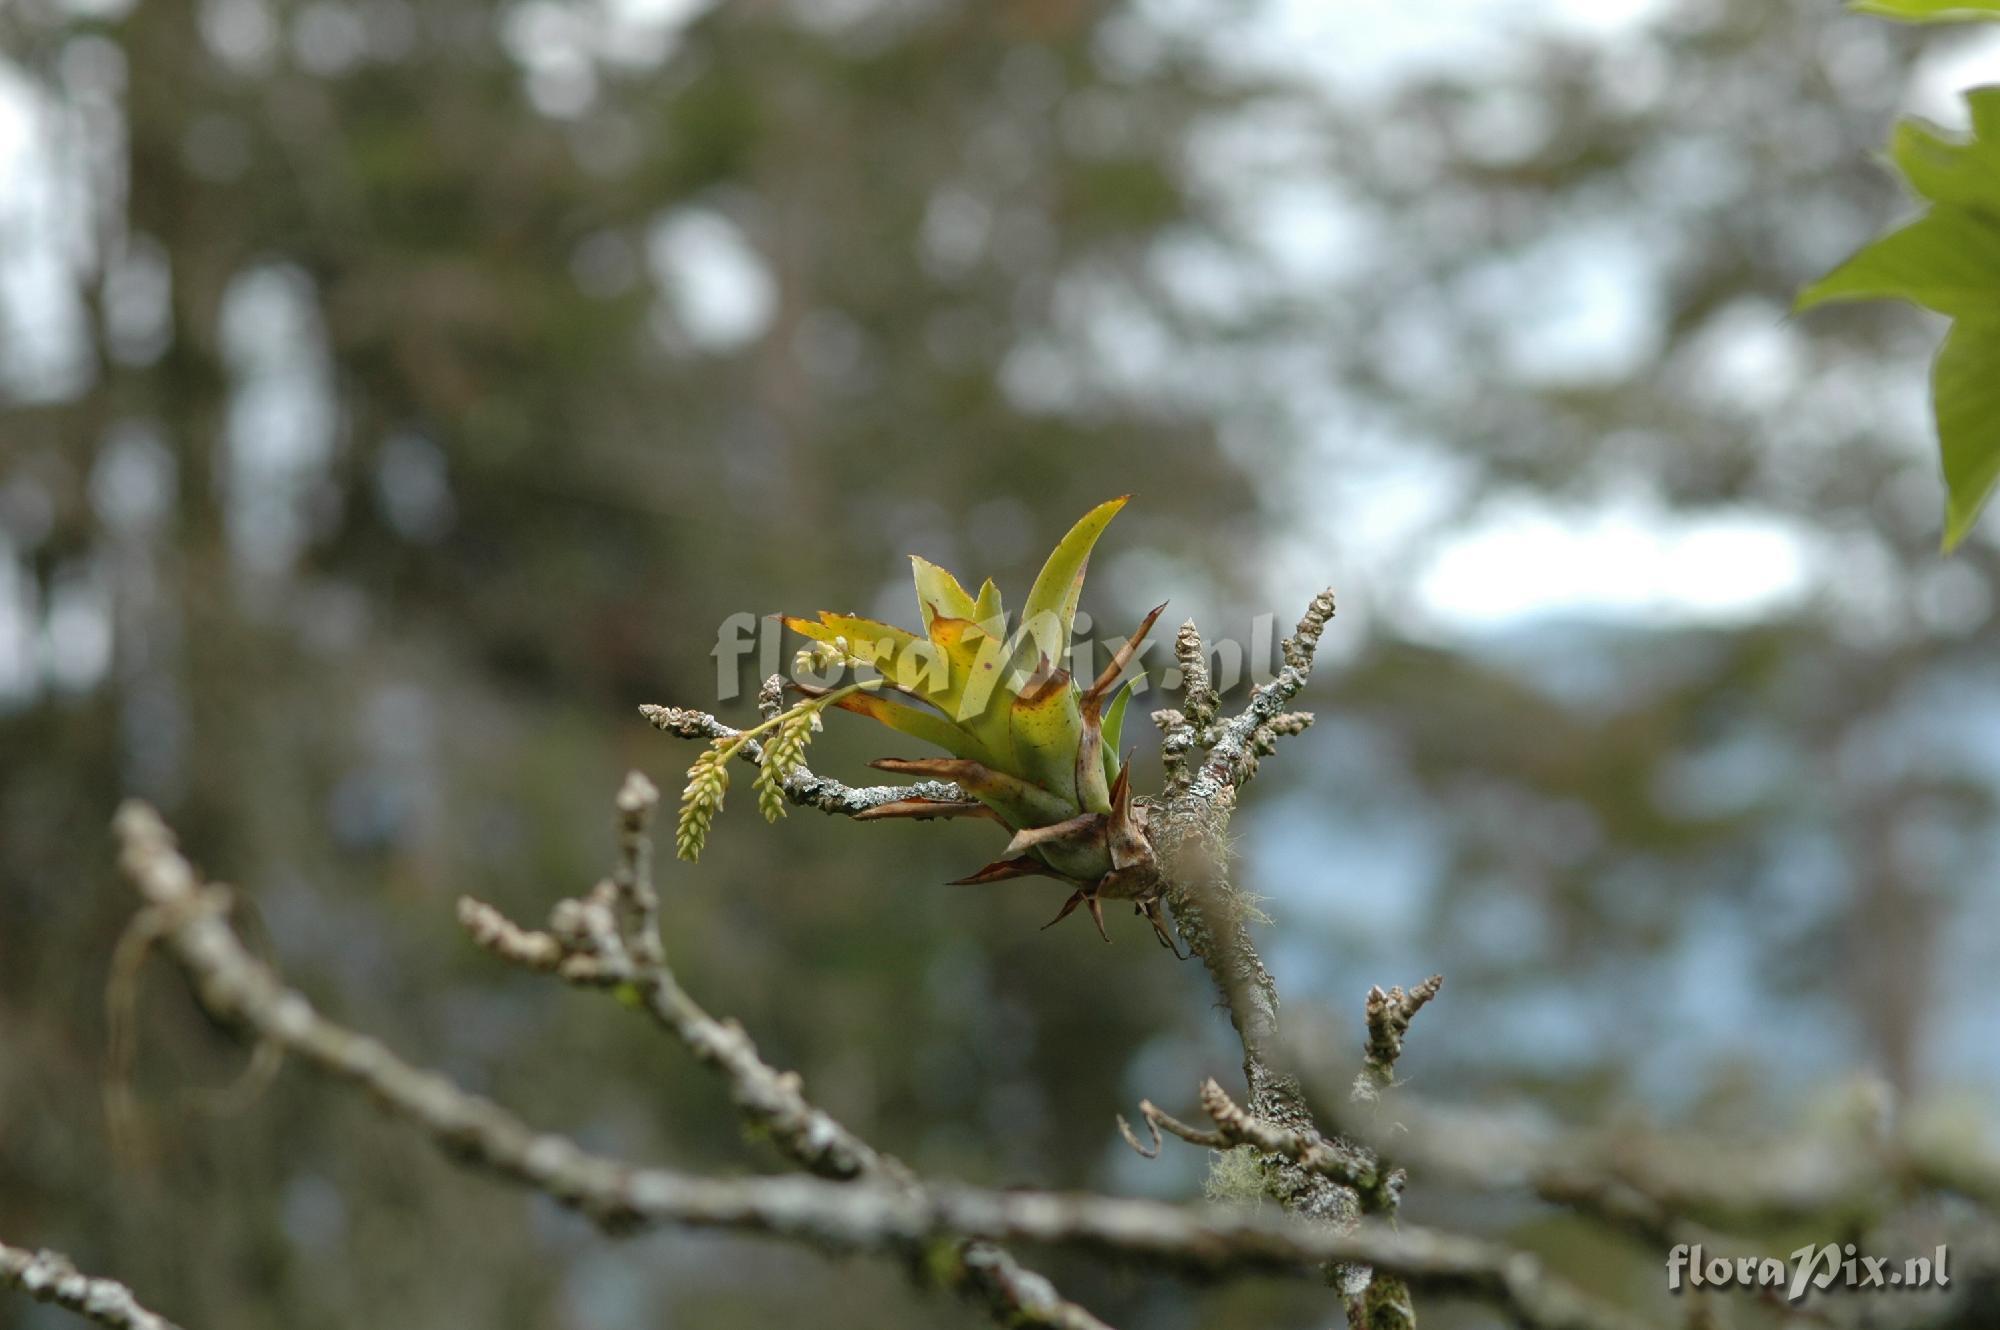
1622	560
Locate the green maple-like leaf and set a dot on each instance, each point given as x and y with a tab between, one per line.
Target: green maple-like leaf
1947	260
1965	383
1930	11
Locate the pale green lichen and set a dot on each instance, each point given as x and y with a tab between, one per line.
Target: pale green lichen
1235	1178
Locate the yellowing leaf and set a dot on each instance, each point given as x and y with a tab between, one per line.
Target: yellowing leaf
987	609
1047	726
938	593
869	639
977	658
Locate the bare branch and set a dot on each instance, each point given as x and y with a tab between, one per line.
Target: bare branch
586	948
869	1216
48	1276
1389	1015
531	949
1157	1120
633	877
769	1099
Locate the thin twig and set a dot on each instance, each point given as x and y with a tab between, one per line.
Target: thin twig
1158	1120
1389	1015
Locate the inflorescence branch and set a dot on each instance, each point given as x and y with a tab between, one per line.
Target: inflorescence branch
800	785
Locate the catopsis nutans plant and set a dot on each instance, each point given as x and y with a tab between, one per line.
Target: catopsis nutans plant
1032	747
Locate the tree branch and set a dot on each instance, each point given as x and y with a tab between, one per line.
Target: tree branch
1189	826
1655	1183
48	1276
1389	1015
586	947
869	1216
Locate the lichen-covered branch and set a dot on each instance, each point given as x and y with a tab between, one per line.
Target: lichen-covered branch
1189	825
48	1276
1349	1165
1352	1167
862	1216
1229	743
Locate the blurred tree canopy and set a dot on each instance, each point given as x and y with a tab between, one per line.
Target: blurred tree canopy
398	393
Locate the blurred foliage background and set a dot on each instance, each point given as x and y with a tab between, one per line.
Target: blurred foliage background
397	393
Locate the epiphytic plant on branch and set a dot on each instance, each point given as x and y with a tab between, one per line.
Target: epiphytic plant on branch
1032	747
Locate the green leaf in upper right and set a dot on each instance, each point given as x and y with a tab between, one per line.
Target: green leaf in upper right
1947	260
1930	11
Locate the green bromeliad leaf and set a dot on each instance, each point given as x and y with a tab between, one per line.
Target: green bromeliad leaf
1002	703
1113	729
1047	727
1947	260
918	724
1050	611
1930	11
